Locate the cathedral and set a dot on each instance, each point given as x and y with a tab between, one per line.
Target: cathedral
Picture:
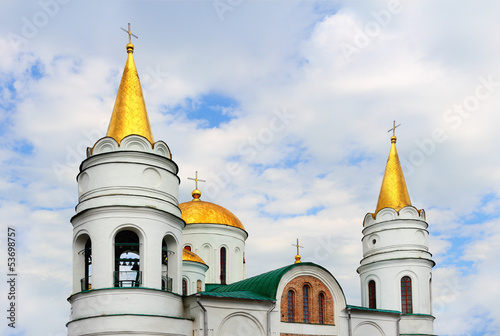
143	264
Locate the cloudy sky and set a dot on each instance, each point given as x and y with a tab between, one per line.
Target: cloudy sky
283	107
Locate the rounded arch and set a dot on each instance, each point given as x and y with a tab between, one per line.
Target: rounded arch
170	262
291	302
223	263
207	254
128	250
415	285
240	323
321	307
82	261
185	286
131	227
337	301
365	293
406	295
368	328
306	301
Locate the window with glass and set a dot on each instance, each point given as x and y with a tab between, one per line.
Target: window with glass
305	304
291	305
406	295
321	308
372	296
223	265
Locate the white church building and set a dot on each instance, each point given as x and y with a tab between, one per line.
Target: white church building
143	264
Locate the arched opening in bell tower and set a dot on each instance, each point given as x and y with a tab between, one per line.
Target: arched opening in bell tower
168	263
127	271
83	262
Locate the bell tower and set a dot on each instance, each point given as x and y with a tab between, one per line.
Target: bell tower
396	269
127	230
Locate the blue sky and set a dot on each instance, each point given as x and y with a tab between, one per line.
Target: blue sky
283	107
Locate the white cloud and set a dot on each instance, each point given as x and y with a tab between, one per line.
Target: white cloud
315	178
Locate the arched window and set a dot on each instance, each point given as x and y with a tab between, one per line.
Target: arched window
184	287
321	308
86	283
187	248
305	304
372	295
223	265
406	295
198	286
166	261
291	305
127	261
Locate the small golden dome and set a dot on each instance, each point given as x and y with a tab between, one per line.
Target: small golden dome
196	194
191	256
201	212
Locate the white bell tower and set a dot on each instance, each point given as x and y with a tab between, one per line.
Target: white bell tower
396	269
127	230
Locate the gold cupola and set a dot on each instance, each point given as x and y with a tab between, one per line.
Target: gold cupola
197	211
129	113
191	256
393	192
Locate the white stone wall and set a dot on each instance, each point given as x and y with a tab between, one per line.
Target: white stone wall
396	245
193	272
206	241
131	187
234	317
367	323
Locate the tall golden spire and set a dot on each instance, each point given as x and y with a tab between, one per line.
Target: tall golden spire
393	193
129	114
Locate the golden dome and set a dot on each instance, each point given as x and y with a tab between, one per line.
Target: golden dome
201	212
129	113
191	256
393	192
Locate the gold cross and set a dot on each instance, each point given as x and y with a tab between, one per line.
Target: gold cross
298	246
393	129
196	180
129	34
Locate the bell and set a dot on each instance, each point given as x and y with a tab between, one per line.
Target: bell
135	266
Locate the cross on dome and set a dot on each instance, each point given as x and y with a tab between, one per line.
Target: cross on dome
129	32
196	192
393	129
196	179
297	257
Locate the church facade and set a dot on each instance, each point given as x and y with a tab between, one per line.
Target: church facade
143	264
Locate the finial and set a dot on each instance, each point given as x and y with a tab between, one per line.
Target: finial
130	46
393	129
196	192
297	257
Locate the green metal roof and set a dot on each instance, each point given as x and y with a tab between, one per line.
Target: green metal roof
238	295
374	310
264	285
211	286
